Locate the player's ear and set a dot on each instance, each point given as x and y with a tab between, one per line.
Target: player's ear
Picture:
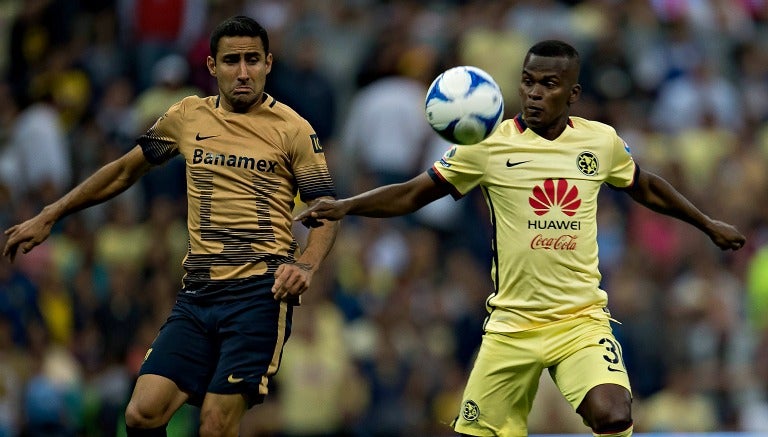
268	61
211	63
575	94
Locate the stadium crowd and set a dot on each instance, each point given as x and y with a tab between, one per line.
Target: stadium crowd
382	343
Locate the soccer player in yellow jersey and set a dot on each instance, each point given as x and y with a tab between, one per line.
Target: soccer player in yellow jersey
247	156
540	174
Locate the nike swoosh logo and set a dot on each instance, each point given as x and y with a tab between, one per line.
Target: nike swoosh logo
613	369
512	164
232	380
200	138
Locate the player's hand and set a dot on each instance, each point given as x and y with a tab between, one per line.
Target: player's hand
291	279
726	236
26	235
324	209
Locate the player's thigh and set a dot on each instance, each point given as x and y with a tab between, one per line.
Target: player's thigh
252	333
590	356
153	401
501	386
184	351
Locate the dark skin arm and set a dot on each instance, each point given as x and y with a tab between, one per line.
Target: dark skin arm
104	184
294	279
649	190
660	196
387	201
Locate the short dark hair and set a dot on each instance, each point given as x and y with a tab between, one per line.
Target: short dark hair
239	25
553	48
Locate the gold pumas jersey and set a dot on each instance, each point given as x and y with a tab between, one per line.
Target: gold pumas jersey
243	172
542	198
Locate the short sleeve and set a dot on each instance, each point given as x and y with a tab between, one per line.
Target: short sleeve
160	143
464	167
309	165
622	171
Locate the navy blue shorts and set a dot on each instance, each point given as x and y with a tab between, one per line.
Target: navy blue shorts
222	347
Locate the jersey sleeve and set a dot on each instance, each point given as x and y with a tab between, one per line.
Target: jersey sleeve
309	166
464	167
623	167
159	143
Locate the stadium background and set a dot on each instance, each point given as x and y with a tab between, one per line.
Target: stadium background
383	342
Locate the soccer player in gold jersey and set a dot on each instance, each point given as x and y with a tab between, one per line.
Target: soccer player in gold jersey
247	156
540	174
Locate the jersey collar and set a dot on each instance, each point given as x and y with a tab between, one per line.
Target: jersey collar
264	98
522	125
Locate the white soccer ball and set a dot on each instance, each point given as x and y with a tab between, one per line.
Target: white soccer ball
464	105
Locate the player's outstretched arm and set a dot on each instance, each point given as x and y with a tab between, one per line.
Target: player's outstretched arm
387	201
105	183
659	195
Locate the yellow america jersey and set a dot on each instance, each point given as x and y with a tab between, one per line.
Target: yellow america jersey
542	199
243	171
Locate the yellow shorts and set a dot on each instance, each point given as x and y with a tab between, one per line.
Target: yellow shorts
579	353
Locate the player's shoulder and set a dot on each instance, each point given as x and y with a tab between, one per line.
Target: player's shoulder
507	128
193	102
591	125
280	109
284	113
511	126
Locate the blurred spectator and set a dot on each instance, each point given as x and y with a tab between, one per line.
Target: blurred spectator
707	307
18	303
636	297
40	29
384	135
606	68
38	152
14	374
122	225
296	80
680	406
8	11
104	58
686	101
117	118
540	19
166	239
671	49
66	85
8	166
700	150
754	417
752	64
169	85
319	389
497	47
119	314
153	29
57	308
53	396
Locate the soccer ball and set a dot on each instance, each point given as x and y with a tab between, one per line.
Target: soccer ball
464	105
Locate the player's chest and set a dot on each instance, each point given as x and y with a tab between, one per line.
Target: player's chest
243	151
531	164
566	177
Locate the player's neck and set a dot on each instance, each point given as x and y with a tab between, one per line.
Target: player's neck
552	131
